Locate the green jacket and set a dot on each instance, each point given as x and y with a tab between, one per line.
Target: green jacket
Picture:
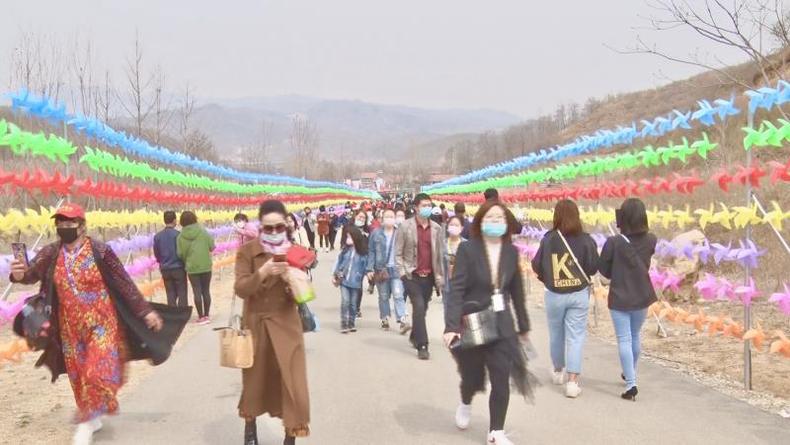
194	246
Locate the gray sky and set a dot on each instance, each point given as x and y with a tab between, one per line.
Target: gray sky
522	56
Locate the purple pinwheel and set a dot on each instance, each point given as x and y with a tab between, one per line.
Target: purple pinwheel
721	252
747	292
707	287
8	311
782	300
703	250
748	254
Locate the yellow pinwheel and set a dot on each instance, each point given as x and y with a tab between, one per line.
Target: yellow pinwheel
775	215
745	216
723	217
684	218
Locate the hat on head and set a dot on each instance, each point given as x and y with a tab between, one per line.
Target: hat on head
70	211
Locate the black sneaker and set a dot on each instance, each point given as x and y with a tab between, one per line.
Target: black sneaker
354	329
359	314
423	353
385	324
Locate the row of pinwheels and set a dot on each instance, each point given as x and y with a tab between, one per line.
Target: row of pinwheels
42	107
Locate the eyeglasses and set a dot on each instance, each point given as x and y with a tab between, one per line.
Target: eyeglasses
279	228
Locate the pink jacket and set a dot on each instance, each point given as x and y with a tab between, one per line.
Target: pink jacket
248	233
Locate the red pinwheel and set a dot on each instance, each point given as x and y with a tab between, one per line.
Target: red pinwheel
751	174
723	178
779	172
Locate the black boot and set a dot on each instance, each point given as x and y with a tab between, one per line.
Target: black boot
250	433
289	440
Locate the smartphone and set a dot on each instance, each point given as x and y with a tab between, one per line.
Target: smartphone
280	258
20	253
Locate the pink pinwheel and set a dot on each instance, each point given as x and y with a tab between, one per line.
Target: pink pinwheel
707	287
9	310
657	278
747	292
726	290
672	282
782	299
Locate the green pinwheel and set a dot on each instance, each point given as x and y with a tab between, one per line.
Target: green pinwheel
703	146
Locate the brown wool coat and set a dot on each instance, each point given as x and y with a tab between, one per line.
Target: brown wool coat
277	382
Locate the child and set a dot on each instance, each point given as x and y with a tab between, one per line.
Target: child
349	273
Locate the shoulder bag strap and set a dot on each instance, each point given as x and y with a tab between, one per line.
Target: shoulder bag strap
578	264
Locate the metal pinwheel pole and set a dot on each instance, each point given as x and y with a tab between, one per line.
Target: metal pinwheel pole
747	308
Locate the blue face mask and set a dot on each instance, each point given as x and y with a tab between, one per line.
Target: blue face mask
494	229
426	212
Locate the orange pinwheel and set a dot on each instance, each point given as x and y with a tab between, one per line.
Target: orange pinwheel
698	320
715	325
732	329
780	346
13	350
757	336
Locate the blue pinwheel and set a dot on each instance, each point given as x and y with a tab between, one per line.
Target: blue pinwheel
705	114
726	108
681	120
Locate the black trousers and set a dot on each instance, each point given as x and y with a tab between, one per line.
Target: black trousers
201	292
323	240
175	287
310	237
332	236
497	357
419	290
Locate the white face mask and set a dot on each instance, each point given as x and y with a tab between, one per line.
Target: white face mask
399	220
389	221
275	239
454	230
359	223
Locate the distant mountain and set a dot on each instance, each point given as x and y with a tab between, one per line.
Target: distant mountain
361	130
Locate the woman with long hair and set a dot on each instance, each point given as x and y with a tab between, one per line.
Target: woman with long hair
565	263
487	277
625	260
194	246
277	381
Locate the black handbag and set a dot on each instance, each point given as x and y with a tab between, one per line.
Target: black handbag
479	328
33	322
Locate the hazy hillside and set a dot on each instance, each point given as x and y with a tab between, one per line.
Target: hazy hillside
359	129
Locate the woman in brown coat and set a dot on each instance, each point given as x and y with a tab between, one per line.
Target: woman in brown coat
277	382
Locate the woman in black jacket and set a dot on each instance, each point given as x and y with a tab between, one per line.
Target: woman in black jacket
487	275
565	262
625	260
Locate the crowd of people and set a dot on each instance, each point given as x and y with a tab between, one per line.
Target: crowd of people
408	249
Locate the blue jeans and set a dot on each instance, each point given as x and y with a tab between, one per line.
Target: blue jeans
348	306
567	318
627	326
391	288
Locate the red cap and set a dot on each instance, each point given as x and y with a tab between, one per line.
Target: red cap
70	210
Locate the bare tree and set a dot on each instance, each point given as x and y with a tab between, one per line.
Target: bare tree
256	154
137	104
82	71
304	143
756	28
103	98
162	106
38	65
185	111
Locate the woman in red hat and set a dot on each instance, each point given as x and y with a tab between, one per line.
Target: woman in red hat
96	307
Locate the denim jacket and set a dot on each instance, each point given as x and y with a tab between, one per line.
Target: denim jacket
378	251
351	267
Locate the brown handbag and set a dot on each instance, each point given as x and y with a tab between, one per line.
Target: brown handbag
236	347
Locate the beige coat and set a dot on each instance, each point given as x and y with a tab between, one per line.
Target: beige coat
406	249
277	382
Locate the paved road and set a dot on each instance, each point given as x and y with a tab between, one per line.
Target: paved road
369	388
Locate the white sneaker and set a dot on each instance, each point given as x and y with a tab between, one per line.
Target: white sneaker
463	415
83	435
572	390
499	438
558	377
96	424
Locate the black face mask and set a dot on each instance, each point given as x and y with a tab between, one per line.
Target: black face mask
68	234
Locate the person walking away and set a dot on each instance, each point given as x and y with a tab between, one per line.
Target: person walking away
194	247
625	260
333	228
382	270
310	226
276	384
170	265
445	214
322	224
98	320
418	256
487	276
243	229
565	263
349	274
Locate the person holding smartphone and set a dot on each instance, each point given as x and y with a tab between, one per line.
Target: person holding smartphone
97	317
277	381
